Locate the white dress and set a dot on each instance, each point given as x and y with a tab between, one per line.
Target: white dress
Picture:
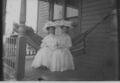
43	57
62	58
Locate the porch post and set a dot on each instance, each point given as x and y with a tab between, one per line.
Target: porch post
51	10
23	12
4	15
21	44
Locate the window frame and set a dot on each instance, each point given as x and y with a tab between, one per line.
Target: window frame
64	10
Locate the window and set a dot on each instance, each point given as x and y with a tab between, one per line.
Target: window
71	12
72	8
57	11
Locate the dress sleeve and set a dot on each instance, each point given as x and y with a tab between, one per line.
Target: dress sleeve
69	42
43	44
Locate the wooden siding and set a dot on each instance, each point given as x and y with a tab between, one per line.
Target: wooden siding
43	16
100	56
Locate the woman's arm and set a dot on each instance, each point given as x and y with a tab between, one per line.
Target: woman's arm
59	45
43	44
69	42
66	44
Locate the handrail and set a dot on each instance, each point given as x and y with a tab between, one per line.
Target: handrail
82	36
33	42
32	38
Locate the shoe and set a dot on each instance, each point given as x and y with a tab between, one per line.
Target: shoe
40	79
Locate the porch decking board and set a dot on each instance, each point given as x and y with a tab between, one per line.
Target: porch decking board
82	73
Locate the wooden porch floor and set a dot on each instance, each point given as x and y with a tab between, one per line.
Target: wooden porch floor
78	75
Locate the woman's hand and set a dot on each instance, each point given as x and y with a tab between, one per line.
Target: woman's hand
60	46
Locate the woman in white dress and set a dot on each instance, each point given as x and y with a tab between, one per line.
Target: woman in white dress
43	56
62	58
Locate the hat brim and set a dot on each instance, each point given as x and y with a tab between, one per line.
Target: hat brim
45	29
64	23
48	24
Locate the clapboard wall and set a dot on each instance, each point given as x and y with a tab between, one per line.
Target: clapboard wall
43	15
99	61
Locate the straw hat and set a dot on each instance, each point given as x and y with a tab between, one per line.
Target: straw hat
48	24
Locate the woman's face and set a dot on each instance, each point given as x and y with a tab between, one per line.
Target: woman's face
65	29
51	30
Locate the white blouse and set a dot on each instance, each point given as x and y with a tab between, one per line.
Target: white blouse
49	41
64	40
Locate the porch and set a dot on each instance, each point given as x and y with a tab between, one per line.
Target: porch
94	48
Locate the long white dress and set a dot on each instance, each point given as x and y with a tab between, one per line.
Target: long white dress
62	58
43	57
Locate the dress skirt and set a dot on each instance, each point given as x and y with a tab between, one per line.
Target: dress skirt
62	60
42	58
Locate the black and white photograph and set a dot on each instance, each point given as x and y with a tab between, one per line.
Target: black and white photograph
61	40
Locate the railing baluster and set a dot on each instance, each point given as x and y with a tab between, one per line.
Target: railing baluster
9	58
30	51
15	52
11	46
8	47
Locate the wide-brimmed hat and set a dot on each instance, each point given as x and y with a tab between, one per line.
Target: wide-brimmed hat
48	24
64	23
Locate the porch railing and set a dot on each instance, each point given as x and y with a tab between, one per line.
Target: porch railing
10	57
30	51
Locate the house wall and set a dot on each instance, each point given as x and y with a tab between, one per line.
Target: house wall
100	61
